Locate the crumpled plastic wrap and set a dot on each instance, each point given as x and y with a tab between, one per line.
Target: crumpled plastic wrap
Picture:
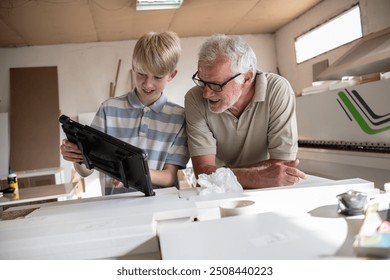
221	181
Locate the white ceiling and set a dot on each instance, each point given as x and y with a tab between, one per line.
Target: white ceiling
47	22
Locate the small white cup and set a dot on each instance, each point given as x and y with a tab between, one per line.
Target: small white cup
236	207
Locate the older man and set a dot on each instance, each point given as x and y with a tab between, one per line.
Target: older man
240	118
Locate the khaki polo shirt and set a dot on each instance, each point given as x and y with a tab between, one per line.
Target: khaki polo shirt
267	128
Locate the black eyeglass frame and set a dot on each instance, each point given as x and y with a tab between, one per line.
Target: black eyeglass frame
219	88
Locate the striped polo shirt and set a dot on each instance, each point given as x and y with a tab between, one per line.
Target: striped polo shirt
158	129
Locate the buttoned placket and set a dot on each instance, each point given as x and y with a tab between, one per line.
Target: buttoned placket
144	122
236	120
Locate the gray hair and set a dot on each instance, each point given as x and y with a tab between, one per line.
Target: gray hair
241	55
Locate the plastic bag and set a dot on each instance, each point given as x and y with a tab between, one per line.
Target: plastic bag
221	181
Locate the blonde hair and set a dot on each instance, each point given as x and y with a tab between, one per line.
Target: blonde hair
157	53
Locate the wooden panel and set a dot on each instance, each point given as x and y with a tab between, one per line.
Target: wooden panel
42	180
34	118
3	184
23	183
4	146
34	181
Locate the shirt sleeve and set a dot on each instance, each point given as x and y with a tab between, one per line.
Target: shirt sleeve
282	130
178	153
99	121
200	138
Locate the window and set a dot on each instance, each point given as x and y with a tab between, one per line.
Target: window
340	30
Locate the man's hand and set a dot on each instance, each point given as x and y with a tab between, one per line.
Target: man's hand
269	173
283	173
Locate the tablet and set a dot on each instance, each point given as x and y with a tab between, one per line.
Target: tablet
107	154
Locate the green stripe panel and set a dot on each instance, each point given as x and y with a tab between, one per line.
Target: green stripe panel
358	117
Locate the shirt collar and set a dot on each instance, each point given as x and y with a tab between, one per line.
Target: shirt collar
156	106
260	87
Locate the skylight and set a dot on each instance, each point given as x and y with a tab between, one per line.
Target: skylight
340	30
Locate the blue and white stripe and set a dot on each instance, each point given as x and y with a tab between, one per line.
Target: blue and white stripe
158	129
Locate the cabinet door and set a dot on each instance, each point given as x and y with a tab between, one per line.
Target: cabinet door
34	113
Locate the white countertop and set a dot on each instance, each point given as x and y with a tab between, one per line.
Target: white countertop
133	226
299	222
118	226
266	236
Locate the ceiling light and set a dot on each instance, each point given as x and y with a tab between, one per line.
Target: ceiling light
157	4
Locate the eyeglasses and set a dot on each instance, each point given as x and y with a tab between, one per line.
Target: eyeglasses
212	86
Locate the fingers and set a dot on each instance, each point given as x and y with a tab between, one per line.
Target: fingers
293	179
301	175
70	151
294	175
293	171
282	174
116	184
69	146
297	173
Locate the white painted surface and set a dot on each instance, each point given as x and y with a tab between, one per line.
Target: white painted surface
374	18
132	225
260	236
298	222
119	226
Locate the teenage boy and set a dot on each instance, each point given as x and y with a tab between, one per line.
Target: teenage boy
144	117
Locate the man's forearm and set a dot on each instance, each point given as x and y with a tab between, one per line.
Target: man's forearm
269	173
250	178
205	169
276	173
